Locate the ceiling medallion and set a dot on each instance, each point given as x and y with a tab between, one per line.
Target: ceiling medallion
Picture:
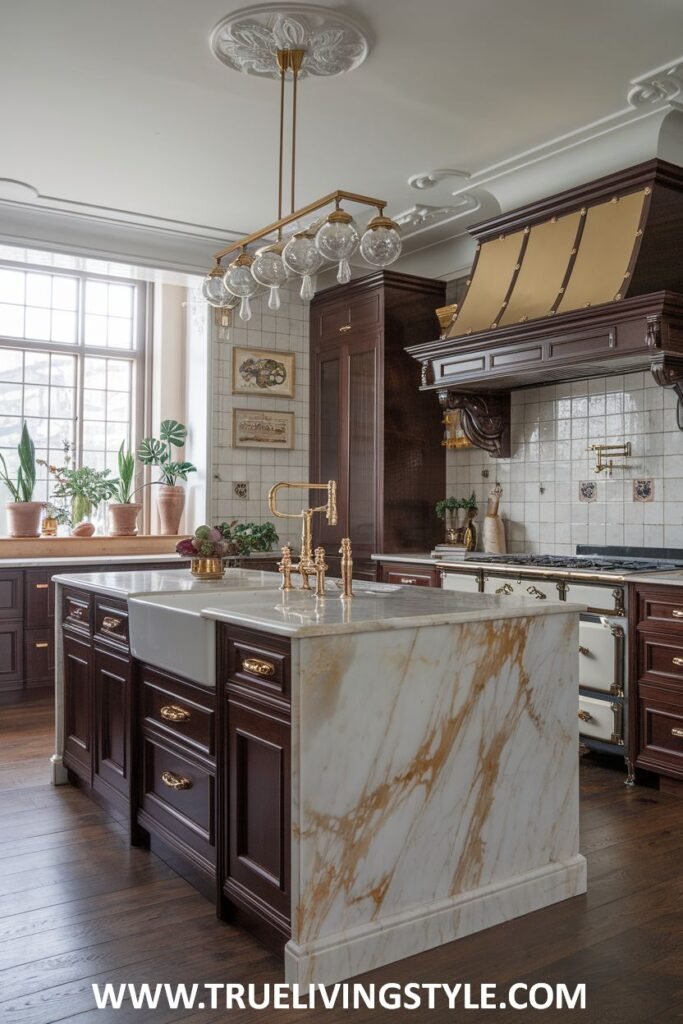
297	243
248	39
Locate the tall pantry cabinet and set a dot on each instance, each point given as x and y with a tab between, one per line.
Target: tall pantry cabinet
372	430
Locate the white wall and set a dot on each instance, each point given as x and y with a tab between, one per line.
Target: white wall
552	427
286	331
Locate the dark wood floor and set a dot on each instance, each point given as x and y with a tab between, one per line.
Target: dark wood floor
78	905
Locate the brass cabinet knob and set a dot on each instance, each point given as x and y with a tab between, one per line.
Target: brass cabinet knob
584	650
408	579
41	586
677	613
258	667
174	781
110	623
678	733
535	592
505	589
345	329
585	716
174	713
76	612
677	661
41	644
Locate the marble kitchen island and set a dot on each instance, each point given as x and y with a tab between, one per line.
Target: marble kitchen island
391	772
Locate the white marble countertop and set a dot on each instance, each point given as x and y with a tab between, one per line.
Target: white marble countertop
154	581
668	578
302	614
27	563
419	558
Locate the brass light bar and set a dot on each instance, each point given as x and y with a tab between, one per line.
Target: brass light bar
332	197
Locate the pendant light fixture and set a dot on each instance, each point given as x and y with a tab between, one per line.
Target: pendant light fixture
273	40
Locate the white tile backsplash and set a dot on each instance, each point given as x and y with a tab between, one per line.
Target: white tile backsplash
552	427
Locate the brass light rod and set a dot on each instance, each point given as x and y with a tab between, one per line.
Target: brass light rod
332	197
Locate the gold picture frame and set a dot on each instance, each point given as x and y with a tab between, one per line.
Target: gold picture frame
261	428
262	372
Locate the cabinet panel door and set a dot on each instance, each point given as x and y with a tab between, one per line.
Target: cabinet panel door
77	707
11	594
39	657
362	445
11	655
39	597
328	442
258	855
111	680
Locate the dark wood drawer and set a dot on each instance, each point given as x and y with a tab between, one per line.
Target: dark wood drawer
11	654
178	795
257	663
660	659
39	597
11	594
111	621
173	707
660	731
77	610
407	576
661	607
39	656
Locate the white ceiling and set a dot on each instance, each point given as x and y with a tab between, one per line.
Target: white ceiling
122	105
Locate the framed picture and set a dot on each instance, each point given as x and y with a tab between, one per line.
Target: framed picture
257	372
256	428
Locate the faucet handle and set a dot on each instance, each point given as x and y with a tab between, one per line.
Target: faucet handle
331	511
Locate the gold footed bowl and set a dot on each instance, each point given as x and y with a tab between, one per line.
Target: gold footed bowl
207	568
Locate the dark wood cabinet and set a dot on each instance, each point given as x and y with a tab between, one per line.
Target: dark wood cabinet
372	430
254	782
78	726
657	666
111	680
11	593
406	575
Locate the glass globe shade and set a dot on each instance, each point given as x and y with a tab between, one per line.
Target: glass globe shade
301	254
214	290
338	238
238	278
381	242
269	270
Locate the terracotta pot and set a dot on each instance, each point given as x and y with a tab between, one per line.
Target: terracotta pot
23	518
123	519
171	502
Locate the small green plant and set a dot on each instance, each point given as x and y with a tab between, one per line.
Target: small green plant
22	490
85	487
254	536
452	504
122	488
155	451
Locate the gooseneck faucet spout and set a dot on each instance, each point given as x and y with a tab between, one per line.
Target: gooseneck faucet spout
310	563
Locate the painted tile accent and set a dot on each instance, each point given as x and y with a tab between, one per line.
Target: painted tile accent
643	490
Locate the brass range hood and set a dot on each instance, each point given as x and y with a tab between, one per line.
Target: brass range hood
584	284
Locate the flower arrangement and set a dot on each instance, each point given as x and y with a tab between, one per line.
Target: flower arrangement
207	542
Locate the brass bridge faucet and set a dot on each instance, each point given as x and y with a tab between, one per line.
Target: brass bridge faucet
311	563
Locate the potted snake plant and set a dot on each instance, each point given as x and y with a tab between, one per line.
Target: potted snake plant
23	513
155	451
123	511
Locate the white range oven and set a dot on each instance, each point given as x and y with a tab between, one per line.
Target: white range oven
600	583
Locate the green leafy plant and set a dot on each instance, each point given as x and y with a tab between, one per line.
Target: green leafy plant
85	487
254	536
122	488
159	452
22	490
451	504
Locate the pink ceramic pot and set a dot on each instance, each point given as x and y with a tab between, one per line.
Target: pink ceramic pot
23	518
123	519
171	502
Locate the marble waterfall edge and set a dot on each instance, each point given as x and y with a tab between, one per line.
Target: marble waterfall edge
434	787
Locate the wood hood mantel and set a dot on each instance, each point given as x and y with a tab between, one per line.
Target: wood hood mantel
584	284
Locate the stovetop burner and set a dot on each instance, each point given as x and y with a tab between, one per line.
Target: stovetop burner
584	562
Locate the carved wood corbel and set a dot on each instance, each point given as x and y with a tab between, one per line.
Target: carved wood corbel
667	371
485	419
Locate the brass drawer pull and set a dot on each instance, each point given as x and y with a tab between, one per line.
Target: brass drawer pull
584	650
585	716
505	589
40	644
677	613
173	713
76	612
535	592
174	781
678	733
110	623
41	586
408	579
345	329
258	667
677	661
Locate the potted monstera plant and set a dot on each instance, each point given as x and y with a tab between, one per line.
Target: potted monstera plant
23	513
155	451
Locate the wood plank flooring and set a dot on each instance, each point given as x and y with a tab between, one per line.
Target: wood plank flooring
78	905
